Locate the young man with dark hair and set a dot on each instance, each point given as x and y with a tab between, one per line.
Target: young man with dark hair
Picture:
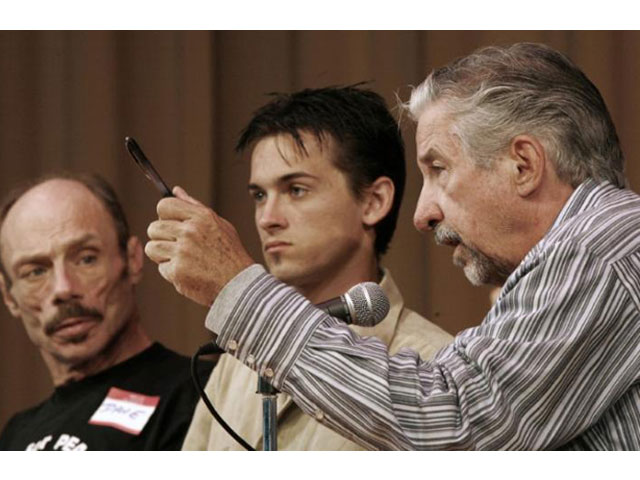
327	176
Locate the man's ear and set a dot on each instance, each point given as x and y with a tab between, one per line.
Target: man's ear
529	161
378	199
9	301
135	259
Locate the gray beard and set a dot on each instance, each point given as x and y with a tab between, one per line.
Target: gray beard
478	268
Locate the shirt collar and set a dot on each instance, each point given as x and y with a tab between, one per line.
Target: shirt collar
584	197
587	195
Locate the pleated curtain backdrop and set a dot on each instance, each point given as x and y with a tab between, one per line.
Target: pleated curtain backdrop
68	99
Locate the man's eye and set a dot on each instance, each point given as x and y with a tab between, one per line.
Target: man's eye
33	273
297	191
88	259
257	195
437	171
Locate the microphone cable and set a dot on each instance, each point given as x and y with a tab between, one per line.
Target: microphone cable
208	349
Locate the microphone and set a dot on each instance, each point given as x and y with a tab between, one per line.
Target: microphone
365	305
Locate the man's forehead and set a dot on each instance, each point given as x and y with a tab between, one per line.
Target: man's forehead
435	115
58	197
52	208
434	125
284	148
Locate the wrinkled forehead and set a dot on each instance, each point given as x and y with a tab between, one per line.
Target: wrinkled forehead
55	212
435	124
435	115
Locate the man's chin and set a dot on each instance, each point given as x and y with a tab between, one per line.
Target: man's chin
77	352
478	269
280	271
462	257
286	276
474	277
471	270
291	273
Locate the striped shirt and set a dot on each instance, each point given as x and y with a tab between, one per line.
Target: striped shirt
555	363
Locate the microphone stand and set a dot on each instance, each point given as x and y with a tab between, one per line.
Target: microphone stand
269	414
360	299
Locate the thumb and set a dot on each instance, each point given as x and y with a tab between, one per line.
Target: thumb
180	193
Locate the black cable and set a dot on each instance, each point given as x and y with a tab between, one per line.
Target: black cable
207	349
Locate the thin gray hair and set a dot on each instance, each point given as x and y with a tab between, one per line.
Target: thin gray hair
497	93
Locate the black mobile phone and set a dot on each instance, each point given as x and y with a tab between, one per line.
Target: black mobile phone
146	166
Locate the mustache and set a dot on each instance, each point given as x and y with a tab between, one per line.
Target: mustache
446	236
70	310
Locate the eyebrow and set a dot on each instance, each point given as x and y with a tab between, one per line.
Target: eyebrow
427	156
39	258
430	155
285	179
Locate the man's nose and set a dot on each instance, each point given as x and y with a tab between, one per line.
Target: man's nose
271	214
65	285
428	213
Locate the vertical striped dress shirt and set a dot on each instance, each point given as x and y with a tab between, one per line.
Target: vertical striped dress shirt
554	365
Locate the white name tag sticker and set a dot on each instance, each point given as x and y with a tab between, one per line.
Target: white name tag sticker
126	411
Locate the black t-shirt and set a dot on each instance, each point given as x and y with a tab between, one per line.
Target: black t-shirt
151	399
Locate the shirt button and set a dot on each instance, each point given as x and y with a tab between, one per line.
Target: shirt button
232	345
268	373
251	360
319	415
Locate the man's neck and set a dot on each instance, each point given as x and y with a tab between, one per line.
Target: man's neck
542	216
341	282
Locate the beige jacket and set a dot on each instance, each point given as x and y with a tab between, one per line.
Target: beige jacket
232	386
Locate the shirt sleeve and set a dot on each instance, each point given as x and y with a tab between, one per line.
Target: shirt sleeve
553	354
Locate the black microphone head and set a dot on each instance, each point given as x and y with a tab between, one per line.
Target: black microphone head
368	304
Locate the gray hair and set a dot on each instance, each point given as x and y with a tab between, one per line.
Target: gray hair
497	93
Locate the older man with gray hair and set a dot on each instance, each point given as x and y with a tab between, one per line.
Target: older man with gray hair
523	178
